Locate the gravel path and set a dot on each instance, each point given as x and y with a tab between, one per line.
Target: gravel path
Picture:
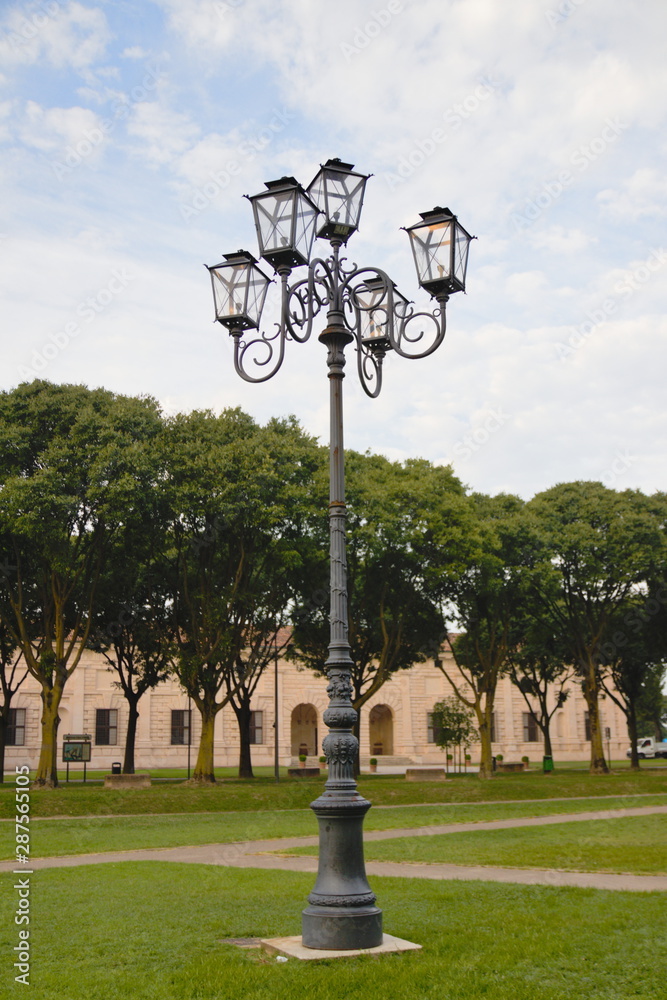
259	854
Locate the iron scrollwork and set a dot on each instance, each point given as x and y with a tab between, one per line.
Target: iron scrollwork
377	318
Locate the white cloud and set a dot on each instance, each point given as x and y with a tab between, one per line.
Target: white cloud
643	194
560	240
61	34
53	129
134	52
164	134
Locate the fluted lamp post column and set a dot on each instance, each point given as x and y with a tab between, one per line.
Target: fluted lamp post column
363	308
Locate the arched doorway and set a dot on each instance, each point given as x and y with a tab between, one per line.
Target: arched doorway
381	730
304	730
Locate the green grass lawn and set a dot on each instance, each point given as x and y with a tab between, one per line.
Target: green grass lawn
50	837
627	844
263	793
151	931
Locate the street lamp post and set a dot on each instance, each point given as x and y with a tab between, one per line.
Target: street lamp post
364	308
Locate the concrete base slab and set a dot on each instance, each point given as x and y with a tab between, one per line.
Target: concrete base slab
425	774
127	781
291	947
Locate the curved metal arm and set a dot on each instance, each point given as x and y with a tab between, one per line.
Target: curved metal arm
333	284
432	338
369	369
260	352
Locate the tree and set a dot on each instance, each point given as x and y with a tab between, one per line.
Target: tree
452	724
74	465
537	667
485	600
135	635
238	495
600	547
394	619
652	706
11	679
635	658
134	628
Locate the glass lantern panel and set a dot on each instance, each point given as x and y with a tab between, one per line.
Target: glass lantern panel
229	289
316	191
461	247
274	216
432	249
258	285
373	298
345	194
304	232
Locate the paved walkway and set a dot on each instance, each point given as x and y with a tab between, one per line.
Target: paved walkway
260	854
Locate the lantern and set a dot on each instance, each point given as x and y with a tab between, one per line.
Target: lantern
285	218
239	291
440	248
338	192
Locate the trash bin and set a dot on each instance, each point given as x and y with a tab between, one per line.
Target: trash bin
116	767
547	763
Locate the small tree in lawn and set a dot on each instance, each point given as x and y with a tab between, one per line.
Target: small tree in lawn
453	725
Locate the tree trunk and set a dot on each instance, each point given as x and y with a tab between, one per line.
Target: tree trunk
631	720
545	725
486	753
203	771
598	762
130	738
47	768
242	712
3	740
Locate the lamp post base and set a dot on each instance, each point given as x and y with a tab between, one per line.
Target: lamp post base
344	930
342	914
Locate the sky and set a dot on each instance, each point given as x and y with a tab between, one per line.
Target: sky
131	129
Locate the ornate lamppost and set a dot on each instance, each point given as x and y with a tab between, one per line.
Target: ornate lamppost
364	308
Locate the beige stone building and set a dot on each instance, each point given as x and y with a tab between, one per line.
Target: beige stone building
394	723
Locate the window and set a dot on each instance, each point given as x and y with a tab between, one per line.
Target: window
106	727
530	728
180	727
16	728
432	732
494	727
257	727
587	726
